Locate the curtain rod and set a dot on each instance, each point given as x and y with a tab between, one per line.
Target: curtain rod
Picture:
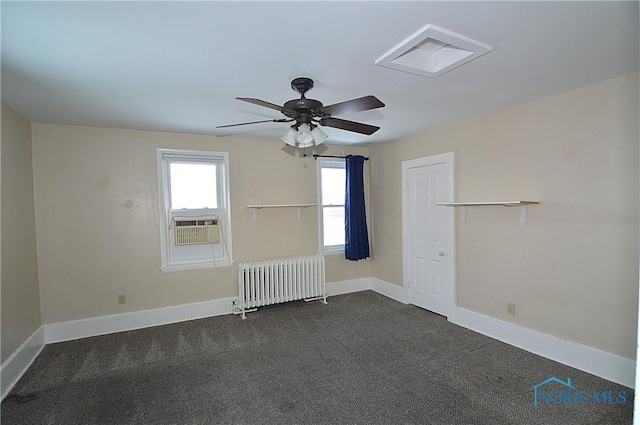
316	156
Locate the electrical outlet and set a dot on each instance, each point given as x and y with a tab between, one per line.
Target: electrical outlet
122	299
511	308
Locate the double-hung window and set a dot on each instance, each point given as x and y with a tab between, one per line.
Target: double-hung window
332	183
195	221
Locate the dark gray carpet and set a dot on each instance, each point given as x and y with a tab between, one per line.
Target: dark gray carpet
361	359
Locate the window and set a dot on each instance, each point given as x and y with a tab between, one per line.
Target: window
195	221
332	182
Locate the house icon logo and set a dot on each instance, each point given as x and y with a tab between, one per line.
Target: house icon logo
561	392
536	387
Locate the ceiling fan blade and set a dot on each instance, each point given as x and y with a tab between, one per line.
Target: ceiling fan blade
253	122
263	103
356	127
354	105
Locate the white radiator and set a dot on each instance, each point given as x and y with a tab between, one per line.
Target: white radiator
269	282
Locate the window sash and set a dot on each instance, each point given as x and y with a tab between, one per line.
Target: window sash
324	164
193	257
176	182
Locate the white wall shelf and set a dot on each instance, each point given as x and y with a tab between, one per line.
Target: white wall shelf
464	205
255	208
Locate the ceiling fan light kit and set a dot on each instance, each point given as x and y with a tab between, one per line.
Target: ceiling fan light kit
318	135
290	137
309	114
304	137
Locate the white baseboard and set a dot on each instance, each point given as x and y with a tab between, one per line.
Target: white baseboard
17	364
388	289
65	331
83	328
597	362
591	360
348	286
588	359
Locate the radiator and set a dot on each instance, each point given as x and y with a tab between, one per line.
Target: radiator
269	282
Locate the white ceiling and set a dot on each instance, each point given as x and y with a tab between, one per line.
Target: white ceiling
178	66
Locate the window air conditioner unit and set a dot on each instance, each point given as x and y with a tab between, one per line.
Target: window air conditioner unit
196	230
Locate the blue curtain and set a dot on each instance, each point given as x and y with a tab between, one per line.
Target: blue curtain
355	220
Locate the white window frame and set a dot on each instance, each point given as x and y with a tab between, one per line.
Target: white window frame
327	163
222	252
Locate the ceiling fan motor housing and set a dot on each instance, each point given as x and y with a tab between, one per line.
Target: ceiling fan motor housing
303	110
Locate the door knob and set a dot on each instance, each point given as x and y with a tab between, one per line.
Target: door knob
441	253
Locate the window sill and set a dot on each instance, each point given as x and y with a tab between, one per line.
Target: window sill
183	267
332	251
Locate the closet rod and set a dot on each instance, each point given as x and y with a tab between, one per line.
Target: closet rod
316	156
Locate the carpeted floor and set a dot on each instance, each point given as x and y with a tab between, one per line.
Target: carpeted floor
361	359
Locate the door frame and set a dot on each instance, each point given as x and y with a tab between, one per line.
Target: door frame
448	159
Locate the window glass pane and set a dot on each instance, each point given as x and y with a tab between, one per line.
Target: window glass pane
333	186
333	224
193	186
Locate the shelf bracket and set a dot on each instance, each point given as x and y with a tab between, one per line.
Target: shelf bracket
523	215
464	214
299	207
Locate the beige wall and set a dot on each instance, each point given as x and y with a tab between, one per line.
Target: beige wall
97	218
573	269
20	293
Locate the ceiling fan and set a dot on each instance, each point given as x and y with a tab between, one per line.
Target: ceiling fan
308	114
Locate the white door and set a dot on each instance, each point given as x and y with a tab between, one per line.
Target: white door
428	235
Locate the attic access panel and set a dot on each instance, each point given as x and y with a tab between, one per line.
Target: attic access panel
432	51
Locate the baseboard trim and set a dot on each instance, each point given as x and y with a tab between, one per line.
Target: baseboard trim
348	286
94	326
597	362
17	364
588	359
388	289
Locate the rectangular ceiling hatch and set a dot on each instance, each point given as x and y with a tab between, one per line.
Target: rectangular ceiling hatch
432	51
